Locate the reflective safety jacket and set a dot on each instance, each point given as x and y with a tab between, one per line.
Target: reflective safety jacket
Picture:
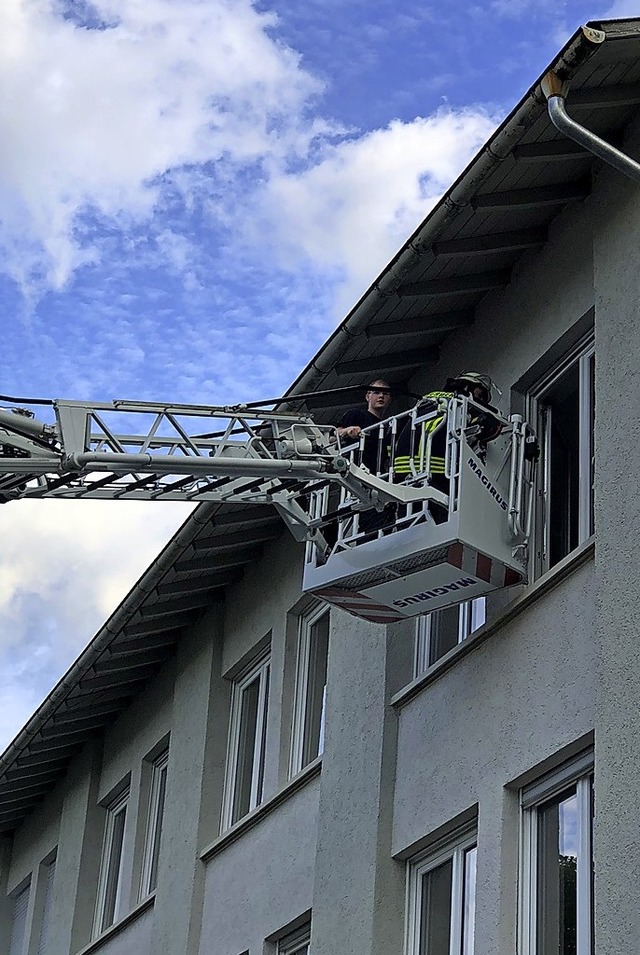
488	428
402	457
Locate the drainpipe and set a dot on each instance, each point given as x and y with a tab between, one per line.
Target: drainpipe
556	91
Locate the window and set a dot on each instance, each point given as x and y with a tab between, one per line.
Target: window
440	631
562	411
153	833
442	899
247	738
18	943
48	874
557	863
311	687
297	943
110	879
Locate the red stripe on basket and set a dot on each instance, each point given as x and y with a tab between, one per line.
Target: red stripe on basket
483	567
360	605
455	554
511	576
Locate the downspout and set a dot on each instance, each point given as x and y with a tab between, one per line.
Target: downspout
556	89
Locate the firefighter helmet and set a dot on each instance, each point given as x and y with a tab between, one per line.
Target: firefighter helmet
475	380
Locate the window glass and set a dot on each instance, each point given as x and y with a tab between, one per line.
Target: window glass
442	900
153	834
469	910
110	880
311	686
45	924
557	875
18	943
442	630
296	943
247	743
562	408
436	910
557	883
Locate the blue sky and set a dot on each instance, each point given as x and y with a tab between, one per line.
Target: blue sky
192	195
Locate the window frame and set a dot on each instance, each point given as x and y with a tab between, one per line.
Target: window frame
424	632
306	623
295	943
260	670
117	807
46	879
581	354
153	828
454	849
576	773
18	945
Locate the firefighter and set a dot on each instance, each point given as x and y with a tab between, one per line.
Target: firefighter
375	454
411	442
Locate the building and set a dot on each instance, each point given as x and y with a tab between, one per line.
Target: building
230	768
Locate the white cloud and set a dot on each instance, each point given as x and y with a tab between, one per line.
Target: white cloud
64	567
94	119
353	209
90	118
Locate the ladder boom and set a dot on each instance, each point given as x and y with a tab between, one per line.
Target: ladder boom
423	545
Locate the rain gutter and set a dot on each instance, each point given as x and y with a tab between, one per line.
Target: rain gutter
556	89
584	43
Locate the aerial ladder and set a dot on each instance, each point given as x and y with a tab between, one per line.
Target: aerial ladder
252	454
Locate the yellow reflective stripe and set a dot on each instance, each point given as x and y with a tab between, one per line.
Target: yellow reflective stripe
402	465
432	424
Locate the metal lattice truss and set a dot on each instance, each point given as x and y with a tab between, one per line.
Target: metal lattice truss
135	450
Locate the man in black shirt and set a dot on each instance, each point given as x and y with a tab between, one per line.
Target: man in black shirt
375	455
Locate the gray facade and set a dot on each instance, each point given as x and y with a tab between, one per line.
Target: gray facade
463	768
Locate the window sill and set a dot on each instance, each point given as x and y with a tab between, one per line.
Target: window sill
260	812
565	568
96	943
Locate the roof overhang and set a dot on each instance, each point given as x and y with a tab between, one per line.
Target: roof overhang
496	212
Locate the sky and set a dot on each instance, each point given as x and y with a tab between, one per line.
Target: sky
193	193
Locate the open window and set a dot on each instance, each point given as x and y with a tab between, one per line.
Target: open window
562	407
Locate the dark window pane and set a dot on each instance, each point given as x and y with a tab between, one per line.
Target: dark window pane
155	852
562	404
316	685
592	422
246	750
113	869
262	730
558	841
444	632
436	910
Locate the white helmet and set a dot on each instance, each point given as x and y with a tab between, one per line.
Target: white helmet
474	379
